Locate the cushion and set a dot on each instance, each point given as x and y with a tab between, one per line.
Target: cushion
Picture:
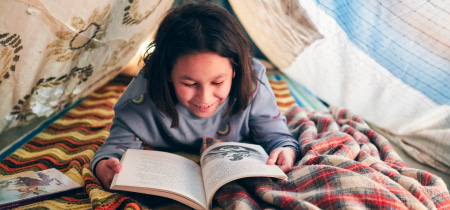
280	29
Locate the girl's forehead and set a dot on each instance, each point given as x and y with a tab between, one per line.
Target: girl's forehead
202	65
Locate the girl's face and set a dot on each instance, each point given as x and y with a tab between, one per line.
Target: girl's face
202	82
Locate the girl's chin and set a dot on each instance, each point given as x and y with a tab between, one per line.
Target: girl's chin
203	113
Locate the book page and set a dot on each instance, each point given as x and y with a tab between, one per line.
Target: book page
227	161
161	173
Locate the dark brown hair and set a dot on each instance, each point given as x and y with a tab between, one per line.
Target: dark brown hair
198	27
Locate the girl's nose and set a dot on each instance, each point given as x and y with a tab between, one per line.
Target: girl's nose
203	94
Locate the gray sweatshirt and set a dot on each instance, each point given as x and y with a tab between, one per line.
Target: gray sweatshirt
137	122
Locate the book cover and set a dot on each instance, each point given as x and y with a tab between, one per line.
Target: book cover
34	186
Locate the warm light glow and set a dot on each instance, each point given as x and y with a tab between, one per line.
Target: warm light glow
136	63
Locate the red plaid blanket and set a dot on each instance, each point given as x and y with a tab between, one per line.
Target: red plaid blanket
345	165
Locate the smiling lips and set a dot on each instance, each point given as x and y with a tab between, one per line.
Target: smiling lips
203	108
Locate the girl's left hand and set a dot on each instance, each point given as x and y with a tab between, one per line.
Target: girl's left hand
283	157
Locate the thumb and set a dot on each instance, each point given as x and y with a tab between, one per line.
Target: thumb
114	164
273	157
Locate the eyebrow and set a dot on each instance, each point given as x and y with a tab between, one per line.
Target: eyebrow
185	77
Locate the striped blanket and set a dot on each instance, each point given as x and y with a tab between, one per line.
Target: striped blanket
344	165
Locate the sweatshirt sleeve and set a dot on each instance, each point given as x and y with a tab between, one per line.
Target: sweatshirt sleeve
122	136
266	122
136	123
119	140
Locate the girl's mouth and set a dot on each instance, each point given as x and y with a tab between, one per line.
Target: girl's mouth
203	107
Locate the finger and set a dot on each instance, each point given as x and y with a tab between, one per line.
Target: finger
285	163
107	179
104	179
285	168
114	164
273	158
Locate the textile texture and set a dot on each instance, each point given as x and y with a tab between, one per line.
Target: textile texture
280	29
344	165
53	53
389	62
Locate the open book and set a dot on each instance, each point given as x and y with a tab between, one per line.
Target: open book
176	177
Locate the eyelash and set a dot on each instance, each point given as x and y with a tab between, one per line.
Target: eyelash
190	85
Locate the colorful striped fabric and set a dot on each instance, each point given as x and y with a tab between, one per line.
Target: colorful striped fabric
345	164
68	145
289	92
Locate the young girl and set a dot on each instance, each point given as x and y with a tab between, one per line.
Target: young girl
199	81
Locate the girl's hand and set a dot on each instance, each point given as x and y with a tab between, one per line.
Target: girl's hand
283	157
106	169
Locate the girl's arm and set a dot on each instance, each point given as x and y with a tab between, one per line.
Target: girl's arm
119	140
134	118
105	163
268	125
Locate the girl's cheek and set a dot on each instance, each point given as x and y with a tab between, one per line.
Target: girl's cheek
188	93
225	91
181	91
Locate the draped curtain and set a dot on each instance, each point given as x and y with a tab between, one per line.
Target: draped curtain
53	53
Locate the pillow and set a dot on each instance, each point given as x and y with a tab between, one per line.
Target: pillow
280	29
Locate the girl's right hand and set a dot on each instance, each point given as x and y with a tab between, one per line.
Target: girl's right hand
106	169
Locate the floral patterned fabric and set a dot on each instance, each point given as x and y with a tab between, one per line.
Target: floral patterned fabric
53	53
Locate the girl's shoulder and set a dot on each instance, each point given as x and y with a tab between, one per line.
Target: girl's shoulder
260	71
135	93
259	68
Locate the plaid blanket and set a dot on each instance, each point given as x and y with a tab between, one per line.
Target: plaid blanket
344	165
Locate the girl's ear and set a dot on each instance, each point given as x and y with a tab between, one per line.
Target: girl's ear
234	73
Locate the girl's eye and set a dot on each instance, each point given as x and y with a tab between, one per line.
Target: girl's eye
189	85
217	83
